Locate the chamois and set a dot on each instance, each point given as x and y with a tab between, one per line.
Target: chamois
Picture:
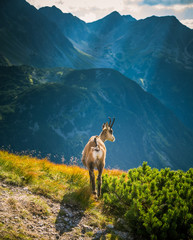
94	154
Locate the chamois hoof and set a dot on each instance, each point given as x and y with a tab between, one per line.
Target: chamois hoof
95	195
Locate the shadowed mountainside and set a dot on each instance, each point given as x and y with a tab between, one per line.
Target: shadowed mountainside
59	118
156	52
28	37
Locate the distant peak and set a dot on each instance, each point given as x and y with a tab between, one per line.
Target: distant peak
115	13
113	16
128	18
165	18
117	16
53	9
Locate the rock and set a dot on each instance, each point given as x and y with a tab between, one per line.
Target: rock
120	221
87	228
110	226
123	235
40	224
100	232
68	212
66	219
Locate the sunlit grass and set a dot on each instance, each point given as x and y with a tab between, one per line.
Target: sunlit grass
69	183
41	176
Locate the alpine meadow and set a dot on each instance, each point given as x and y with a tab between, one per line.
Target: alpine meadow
61	80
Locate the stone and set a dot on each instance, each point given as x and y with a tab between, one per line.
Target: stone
110	226
87	228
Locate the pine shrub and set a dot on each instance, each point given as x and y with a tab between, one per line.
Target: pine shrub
155	204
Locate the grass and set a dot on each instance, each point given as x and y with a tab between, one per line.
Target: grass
10	233
37	206
58	182
41	176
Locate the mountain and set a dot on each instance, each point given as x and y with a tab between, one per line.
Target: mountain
58	118
85	35
110	22
56	110
156	52
14	80
72	27
4	61
28	37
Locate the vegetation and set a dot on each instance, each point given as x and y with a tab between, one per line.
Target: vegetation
44	177
56	181
51	185
156	204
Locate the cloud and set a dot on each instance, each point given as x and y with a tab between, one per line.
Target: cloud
175	7
91	10
166	2
188	23
87	10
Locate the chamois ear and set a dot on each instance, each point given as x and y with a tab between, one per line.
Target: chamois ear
103	126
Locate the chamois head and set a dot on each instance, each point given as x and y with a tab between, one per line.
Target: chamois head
107	133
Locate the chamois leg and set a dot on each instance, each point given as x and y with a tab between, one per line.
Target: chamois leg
100	170
92	180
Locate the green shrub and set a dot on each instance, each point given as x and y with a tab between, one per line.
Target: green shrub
156	204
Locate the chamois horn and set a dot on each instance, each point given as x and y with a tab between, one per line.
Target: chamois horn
112	123
109	121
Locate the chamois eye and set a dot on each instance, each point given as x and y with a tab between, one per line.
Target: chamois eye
111	131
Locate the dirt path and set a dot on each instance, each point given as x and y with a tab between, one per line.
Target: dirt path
29	216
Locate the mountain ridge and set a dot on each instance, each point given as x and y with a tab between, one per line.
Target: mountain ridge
147	51
27	37
61	116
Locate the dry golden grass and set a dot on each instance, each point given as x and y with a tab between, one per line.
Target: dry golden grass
57	181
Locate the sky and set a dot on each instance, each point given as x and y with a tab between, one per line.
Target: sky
91	10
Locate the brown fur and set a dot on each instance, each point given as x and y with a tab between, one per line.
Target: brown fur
94	154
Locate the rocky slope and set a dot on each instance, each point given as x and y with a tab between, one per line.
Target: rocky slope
24	215
156	52
45	201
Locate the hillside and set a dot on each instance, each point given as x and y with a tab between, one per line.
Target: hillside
156	52
27	37
43	200
72	27
57	118
54	110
